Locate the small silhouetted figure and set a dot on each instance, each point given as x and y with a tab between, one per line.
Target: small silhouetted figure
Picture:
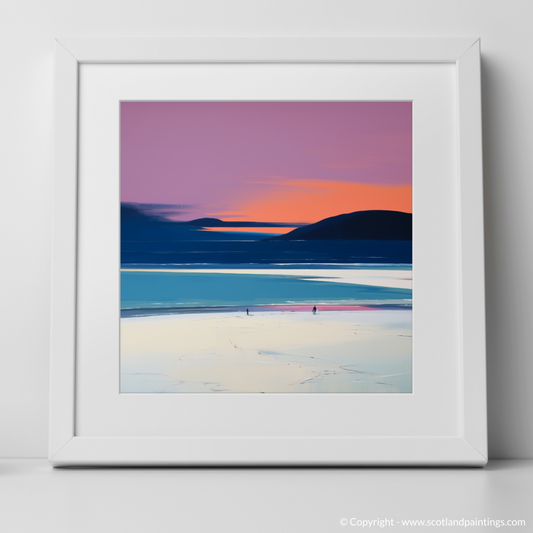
247	312
314	309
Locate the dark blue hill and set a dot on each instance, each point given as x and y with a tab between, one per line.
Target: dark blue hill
138	225
153	240
217	223
358	226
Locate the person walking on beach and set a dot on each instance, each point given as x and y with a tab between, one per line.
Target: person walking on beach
247	312
314	309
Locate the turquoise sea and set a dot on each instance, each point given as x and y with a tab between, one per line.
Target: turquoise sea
222	328
164	290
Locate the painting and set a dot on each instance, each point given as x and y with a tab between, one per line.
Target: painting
266	247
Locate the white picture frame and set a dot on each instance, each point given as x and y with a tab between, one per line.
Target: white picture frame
466	445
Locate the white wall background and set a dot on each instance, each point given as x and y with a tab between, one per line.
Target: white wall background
27	32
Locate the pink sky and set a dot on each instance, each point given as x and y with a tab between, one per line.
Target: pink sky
267	161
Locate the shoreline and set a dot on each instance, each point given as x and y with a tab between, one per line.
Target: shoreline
273	308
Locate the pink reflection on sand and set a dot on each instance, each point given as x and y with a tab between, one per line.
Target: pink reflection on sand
319	308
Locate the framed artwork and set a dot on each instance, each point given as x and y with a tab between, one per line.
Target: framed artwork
268	251
266	247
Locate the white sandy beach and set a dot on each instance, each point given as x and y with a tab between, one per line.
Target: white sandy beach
334	351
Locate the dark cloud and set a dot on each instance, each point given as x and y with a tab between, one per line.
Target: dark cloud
162	210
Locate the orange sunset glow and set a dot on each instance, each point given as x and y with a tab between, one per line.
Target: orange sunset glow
277	230
308	202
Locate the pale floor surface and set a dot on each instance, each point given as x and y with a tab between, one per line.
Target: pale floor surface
37	498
